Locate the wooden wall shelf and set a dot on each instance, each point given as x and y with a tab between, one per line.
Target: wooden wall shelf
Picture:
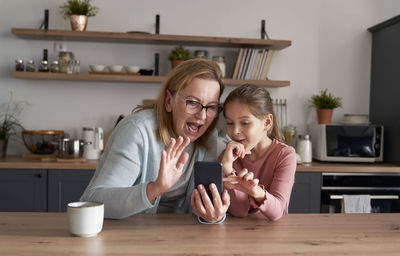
141	38
130	78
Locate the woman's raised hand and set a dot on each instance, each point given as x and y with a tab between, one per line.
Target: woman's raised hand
171	166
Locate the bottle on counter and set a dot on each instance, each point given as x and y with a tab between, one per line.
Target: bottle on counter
304	148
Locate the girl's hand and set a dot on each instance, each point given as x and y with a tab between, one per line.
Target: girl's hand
233	151
171	166
246	183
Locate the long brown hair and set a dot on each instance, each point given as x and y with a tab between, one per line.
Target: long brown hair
177	80
260	104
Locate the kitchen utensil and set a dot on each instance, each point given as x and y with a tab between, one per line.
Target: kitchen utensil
97	68
42	141
71	148
96	138
132	69
115	68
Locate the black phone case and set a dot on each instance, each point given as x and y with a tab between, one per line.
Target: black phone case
206	173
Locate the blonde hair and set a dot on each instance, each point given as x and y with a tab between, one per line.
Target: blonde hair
260	104
176	81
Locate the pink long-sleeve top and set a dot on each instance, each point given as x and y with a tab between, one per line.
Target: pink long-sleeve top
275	171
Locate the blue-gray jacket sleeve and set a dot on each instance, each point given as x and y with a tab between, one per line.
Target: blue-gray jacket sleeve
120	180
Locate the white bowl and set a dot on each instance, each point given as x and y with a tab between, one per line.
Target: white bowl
132	69
115	68
97	68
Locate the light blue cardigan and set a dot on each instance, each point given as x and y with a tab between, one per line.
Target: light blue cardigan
130	161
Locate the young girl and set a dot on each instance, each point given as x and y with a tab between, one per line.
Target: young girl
258	168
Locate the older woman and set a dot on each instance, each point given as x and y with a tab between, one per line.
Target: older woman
147	165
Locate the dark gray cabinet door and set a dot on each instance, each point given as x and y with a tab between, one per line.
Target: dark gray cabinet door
306	193
66	186
23	190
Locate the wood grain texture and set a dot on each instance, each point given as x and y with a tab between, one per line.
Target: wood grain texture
100	77
174	234
139	38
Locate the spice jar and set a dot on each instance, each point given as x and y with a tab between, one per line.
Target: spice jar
30	66
221	63
304	148
19	65
44	67
54	67
63	60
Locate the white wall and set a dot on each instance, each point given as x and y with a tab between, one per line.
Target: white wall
330	49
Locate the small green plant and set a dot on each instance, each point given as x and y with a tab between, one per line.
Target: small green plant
78	7
179	53
9	120
325	100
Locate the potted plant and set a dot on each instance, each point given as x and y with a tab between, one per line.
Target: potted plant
325	103
9	122
178	55
78	12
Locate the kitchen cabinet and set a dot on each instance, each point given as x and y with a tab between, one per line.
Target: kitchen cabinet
66	186
306	193
137	38
41	190
23	190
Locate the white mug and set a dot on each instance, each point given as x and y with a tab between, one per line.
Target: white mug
85	218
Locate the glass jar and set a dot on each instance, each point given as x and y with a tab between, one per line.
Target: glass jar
304	148
19	65
63	60
203	54
44	66
30	66
221	63
77	67
54	67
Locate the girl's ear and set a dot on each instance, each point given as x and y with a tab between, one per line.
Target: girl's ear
269	122
168	101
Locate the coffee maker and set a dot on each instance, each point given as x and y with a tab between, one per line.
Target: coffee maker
96	137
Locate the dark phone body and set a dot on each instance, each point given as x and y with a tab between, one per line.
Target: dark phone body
206	173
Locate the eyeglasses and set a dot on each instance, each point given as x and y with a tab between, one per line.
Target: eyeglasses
194	107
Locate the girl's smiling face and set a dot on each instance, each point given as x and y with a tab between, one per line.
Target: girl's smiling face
243	127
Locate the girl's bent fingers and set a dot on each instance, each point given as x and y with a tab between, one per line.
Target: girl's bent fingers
242	172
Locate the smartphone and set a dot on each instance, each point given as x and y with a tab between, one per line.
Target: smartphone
206	173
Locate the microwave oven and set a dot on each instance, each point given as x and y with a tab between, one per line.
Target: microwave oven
347	142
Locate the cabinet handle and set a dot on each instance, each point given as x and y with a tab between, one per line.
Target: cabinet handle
38	175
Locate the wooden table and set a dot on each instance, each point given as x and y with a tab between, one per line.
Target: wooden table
173	234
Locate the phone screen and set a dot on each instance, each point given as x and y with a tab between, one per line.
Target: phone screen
206	173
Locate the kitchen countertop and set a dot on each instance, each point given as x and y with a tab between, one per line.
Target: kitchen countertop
17	162
181	234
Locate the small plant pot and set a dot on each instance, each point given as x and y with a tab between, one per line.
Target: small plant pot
78	22
175	63
324	115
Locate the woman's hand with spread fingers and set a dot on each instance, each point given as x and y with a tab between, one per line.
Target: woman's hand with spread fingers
171	166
